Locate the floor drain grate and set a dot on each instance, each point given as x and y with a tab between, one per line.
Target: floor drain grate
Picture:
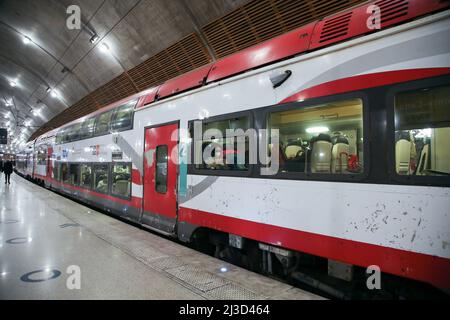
232	291
197	278
165	263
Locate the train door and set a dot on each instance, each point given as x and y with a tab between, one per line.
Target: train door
160	177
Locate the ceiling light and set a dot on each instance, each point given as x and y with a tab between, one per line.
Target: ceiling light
48	89
94	38
26	40
104	47
53	93
12	84
317	129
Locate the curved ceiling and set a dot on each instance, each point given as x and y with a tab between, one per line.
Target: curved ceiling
45	67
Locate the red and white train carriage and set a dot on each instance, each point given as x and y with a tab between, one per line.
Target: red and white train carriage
364	158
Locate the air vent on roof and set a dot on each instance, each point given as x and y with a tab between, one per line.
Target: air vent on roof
335	27
391	10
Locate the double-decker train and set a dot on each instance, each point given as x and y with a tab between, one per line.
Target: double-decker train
359	104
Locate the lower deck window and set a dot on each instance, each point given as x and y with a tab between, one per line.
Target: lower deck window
86	176
101	178
325	138
74	174
121	180
65	177
422	132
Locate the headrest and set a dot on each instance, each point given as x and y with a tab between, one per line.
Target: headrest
321	137
339	139
402	135
296	142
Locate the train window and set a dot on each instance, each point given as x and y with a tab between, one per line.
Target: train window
42	157
87	128
121	180
59	136
74	132
102	123
101	178
422	132
320	139
65	176
86	176
161	169
123	117
223	152
74	173
56	171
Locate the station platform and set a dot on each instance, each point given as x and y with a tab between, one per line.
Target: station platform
54	248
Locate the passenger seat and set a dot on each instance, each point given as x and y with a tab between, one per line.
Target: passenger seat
340	153
321	154
402	152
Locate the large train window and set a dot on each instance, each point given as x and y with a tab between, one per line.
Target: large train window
87	128
161	169
103	121
65	176
224	145
73	132
321	139
86	176
121	180
42	157
74	172
422	132
101	178
123	117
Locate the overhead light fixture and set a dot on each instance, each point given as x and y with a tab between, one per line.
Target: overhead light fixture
12	84
94	38
53	93
26	40
317	129
104	47
48	89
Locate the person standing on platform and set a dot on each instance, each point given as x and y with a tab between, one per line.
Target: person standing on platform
1	167
8	169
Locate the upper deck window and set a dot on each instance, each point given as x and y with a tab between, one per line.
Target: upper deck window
422	132
123	117
102	123
87	128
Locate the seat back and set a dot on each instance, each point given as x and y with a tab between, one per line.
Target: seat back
292	151
321	154
402	156
122	187
424	160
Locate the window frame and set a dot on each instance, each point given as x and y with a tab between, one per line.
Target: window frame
440	81
167	168
109	177
130	164
192	169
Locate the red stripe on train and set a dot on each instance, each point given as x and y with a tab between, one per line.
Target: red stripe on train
134	202
365	81
427	268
